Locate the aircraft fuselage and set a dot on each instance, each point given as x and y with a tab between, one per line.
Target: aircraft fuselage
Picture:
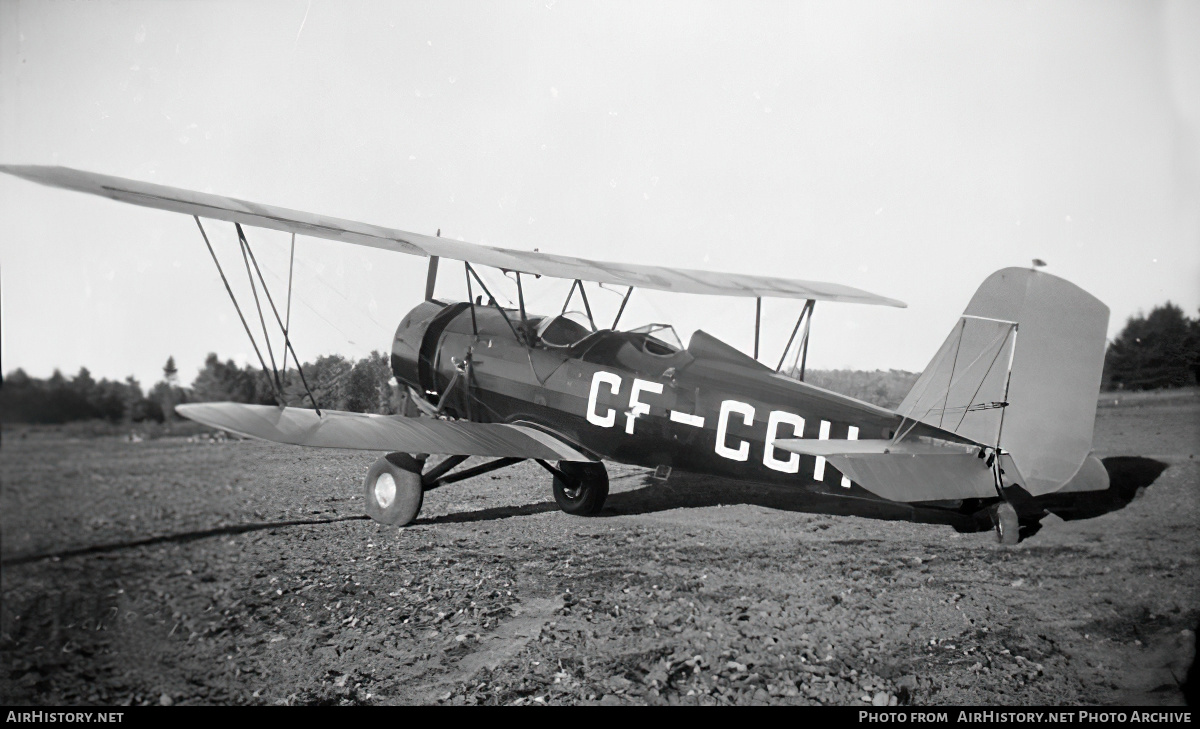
630	398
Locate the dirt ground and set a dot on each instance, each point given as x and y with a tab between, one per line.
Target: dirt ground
243	572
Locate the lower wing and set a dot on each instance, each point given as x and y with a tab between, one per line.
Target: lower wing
361	431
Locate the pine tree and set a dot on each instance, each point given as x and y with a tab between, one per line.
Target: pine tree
1154	351
165	392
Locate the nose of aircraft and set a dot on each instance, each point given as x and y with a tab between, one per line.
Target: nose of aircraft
406	347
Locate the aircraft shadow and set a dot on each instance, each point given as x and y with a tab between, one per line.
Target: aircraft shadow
178	538
493	514
690	491
1128	476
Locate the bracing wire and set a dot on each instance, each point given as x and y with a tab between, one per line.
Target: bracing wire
258	305
224	280
288	323
275	311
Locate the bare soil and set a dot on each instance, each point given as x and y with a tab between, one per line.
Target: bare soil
169	571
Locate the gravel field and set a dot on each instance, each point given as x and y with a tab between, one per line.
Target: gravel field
177	572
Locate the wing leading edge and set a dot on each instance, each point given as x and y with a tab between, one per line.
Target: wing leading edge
219	207
360	431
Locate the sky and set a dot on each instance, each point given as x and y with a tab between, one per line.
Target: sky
908	149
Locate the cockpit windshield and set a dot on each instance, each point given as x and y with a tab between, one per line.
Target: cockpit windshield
563	330
661	339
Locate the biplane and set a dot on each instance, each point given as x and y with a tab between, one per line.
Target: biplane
996	432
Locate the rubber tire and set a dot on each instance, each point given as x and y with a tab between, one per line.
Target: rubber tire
405	504
1006	523
585	497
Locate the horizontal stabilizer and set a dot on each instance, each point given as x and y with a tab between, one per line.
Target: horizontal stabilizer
908	471
915	477
914	447
361	431
219	207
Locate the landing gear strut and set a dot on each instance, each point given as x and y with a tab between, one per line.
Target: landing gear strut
395	486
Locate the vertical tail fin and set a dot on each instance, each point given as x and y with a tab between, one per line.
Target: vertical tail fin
1020	370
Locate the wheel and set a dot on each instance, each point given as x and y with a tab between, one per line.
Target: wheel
584	495
1008	527
393	489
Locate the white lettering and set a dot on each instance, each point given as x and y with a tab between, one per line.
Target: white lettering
851	434
792	464
695	421
637	407
742	452
614	385
819	471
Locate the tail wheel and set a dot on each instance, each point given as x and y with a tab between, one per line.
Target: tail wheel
393	489
1008	527
584	490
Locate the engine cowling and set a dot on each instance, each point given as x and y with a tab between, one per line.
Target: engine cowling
409	342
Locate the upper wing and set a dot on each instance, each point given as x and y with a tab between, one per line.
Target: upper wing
336	429
680	280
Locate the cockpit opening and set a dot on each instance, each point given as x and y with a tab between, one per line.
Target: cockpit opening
661	339
563	330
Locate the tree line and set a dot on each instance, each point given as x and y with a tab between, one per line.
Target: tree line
1153	351
364	386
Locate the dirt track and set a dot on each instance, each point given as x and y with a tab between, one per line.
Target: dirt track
177	583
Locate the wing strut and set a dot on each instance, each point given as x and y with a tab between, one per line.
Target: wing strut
812	306
757	322
805	318
431	277
620	311
262	320
248	257
587	306
253	343
287	340
471	299
524	337
482	285
521	304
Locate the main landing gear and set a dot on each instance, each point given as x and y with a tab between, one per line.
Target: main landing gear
580	488
1006	523
395	485
394	490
